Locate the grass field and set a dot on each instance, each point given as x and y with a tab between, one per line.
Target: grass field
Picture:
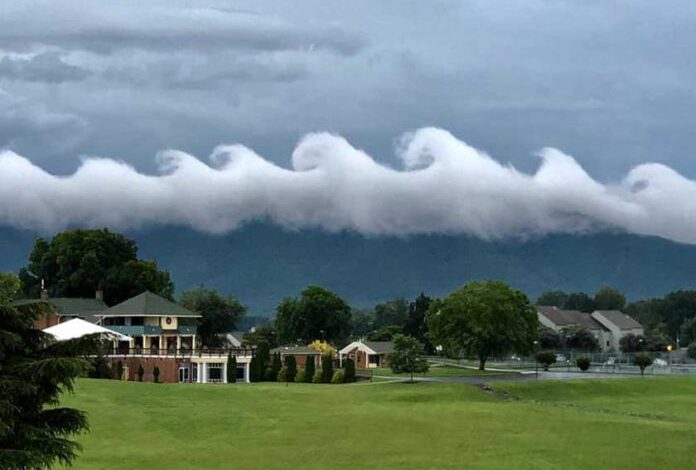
437	371
621	424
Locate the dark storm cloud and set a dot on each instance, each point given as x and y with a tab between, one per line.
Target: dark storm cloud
44	67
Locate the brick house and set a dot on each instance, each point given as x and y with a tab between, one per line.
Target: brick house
367	354
302	354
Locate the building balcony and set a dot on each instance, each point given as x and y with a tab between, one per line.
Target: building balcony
142	330
154	352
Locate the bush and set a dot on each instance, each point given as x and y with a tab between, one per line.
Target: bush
546	358
338	377
583	363
119	370
349	370
327	370
268	375
300	377
99	368
642	361
276	365
691	352
309	369
156	374
141	372
231	369
291	366
317	377
283	375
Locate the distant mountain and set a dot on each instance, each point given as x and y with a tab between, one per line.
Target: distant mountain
261	264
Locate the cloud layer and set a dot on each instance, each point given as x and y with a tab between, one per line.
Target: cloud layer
445	186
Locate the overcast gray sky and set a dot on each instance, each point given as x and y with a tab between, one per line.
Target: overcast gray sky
611	83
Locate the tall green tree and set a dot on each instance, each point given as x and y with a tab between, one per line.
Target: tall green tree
579	301
416	325
9	287
483	319
407	357
554	298
35	432
391	313
327	368
265	334
309	370
291	368
317	314
580	338
219	314
349	370
231	369
608	298
77	263
276	365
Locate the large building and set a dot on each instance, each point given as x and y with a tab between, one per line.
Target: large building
607	326
60	309
163	334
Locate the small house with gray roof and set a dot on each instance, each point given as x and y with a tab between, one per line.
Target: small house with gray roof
367	354
557	320
619	324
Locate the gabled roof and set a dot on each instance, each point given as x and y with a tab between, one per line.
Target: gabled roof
371	347
566	318
620	319
296	350
68	306
147	304
77	328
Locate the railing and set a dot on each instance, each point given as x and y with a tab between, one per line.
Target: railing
140	330
181	352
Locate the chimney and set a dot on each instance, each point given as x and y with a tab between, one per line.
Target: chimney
44	291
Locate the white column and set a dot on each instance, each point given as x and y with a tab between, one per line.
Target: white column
246	372
204	370
224	372
200	372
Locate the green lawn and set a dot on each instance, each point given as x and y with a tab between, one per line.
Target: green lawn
623	424
437	371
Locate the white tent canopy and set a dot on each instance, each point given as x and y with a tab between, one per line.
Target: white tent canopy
76	328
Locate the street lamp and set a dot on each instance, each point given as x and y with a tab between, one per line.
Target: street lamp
536	361
669	356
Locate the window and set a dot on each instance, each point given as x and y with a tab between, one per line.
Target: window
137	321
240	373
373	359
214	372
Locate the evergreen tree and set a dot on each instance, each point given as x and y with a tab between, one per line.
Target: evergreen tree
141	372
349	370
309	369
291	366
156	374
276	365
231	369
35	370
327	369
119	370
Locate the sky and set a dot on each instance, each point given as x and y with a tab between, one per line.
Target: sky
122	101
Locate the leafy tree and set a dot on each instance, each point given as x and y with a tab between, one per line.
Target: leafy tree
35	371
632	343
99	368
483	319
156	374
608	298
677	307
231	369
283	375
386	333
407	356
219	314
648	313
317	313
276	365
322	346
546	358
264	334
309	369
657	343
77	263
9	287
416	325
691	351
361	323
556	298
291	368
349	370
393	313
579	337
687	331
259	362
583	363
327	368
579	301
549	339
642	361
141	372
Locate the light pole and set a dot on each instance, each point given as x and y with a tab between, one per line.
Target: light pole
669	357
536	361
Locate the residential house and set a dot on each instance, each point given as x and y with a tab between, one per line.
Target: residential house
303	354
163	334
367	354
619	324
558	320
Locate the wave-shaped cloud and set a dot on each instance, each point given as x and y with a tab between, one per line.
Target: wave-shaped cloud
445	186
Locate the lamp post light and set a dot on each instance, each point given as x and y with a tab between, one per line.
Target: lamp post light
536	361
669	357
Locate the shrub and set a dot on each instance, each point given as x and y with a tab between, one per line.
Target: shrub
349	370
546	358
338	377
283	375
691	352
276	365
141	372
156	374
268	375
642	361
99	368
317	377
327	369
119	370
583	363
300	377
231	369
309	369
291	366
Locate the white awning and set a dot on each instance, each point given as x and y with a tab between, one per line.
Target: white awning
76	328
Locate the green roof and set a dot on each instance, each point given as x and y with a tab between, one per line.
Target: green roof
146	304
68	306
